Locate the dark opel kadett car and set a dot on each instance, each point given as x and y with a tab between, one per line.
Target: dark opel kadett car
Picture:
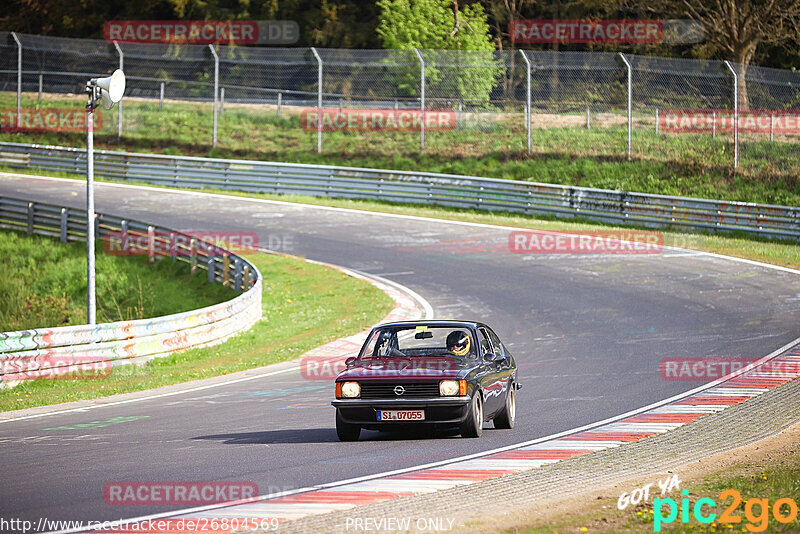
440	373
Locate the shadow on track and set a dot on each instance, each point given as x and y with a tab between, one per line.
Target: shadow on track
323	435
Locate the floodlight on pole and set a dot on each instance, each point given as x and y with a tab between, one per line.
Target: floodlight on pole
107	91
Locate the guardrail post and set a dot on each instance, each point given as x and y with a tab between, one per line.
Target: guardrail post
124	230
528	99
216	86
19	77
119	104
421	100
246	278
280	97
161	97
630	102
319	99
151	244
226	270
193	254
211	274
63	227
237	273
30	218
173	249
735	114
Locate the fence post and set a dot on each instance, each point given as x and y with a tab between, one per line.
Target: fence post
212	277
222	101
151	244
771	126
19	77
421	100
735	114
630	102
280	95
161	97
588	118
64	224
40	86
119	104
30	218
216	93
713	124
193	254
527	98
319	99
656	120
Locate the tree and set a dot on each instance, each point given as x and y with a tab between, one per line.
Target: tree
442	25
737	29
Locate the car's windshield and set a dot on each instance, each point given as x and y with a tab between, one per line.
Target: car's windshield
420	341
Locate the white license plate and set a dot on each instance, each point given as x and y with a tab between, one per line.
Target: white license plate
401	415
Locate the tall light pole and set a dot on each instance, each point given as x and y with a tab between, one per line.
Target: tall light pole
108	91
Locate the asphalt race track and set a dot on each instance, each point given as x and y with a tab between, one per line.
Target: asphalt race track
587	331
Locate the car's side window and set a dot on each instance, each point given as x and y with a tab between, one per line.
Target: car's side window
498	347
486	345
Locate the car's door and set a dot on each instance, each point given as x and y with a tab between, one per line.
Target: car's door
492	383
506	367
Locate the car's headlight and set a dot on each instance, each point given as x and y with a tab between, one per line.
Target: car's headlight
351	390
451	388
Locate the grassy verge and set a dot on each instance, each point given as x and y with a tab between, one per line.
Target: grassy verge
676	164
48	286
778	479
304	305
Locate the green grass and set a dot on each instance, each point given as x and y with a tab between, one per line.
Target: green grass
48	286
305	305
675	164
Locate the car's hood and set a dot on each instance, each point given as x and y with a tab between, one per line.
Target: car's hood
408	368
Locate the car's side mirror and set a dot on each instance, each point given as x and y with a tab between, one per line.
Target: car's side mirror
349	361
490	357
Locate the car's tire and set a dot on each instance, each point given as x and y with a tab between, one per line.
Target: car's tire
346	431
472	427
505	419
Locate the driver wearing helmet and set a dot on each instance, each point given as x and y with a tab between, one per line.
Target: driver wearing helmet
458	343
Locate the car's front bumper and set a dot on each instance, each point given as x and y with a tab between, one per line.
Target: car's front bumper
438	410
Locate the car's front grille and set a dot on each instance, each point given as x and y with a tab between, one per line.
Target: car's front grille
386	390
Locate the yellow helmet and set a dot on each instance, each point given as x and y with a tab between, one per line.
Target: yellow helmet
458	343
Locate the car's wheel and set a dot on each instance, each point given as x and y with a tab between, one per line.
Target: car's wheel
472	427
346	431
505	419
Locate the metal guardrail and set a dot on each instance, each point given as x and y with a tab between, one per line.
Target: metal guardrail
469	192
52	352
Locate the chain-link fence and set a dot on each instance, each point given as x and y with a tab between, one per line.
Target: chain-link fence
389	102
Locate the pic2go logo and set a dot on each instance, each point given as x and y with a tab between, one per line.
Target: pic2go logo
756	511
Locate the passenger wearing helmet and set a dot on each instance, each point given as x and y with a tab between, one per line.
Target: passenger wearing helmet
458	343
